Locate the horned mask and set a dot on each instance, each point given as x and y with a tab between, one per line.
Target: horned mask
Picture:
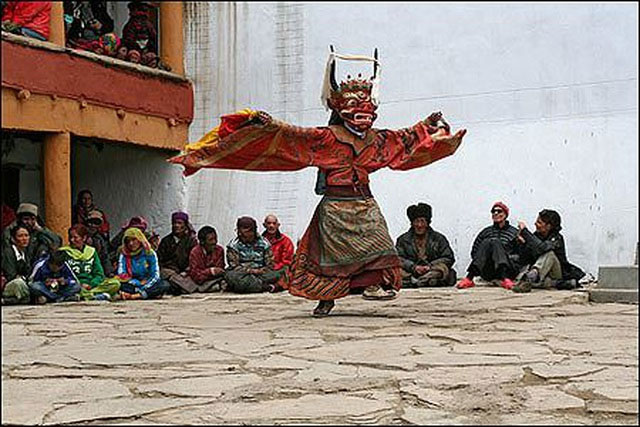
354	100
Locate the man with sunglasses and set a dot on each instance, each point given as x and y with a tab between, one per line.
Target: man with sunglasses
494	255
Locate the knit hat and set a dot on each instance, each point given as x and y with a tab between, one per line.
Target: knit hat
27	208
179	216
421	210
501	206
137	222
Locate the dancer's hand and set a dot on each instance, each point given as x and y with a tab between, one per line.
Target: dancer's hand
443	135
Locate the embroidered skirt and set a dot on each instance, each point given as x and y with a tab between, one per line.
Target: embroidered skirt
347	238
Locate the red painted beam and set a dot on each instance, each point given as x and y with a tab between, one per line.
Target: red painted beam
66	75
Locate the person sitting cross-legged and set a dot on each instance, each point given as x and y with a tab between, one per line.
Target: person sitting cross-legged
173	255
250	260
42	241
97	240
544	256
138	270
16	267
53	281
206	262
494	254
281	246
85	264
426	256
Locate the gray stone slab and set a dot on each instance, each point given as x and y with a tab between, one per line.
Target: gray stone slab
550	398
604	295
618	277
432	356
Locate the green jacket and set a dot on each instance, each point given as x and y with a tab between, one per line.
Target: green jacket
85	265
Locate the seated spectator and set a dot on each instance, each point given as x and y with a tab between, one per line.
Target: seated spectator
494	254
84	205
281	246
27	18
42	240
53	281
250	260
139	37
95	239
544	256
138	268
114	244
206	262
426	256
173	255
84	261
89	27
8	216
16	267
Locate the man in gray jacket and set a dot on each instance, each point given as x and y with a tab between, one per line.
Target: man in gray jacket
426	256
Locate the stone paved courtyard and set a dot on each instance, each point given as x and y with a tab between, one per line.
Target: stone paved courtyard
432	356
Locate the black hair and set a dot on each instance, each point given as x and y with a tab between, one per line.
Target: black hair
204	232
58	258
551	217
15	228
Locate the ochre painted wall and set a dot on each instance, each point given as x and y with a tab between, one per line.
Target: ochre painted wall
45	113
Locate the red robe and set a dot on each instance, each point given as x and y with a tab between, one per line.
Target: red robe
347	238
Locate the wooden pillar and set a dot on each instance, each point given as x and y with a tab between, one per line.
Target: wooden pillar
171	42
57	182
56	34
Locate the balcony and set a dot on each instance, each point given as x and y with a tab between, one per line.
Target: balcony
47	87
67	97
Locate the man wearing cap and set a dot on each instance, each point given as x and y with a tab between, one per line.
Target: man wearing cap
43	240
495	251
426	256
544	256
249	260
94	222
173	255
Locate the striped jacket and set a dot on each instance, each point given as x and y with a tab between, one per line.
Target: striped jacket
507	236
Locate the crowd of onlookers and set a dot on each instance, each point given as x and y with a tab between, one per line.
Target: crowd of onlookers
88	26
137	264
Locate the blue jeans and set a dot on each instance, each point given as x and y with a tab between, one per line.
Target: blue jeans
28	32
160	288
65	293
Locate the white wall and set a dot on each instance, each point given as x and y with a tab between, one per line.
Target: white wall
128	180
548	93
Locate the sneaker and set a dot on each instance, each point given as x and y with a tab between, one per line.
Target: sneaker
465	283
532	276
507	283
522	286
102	297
